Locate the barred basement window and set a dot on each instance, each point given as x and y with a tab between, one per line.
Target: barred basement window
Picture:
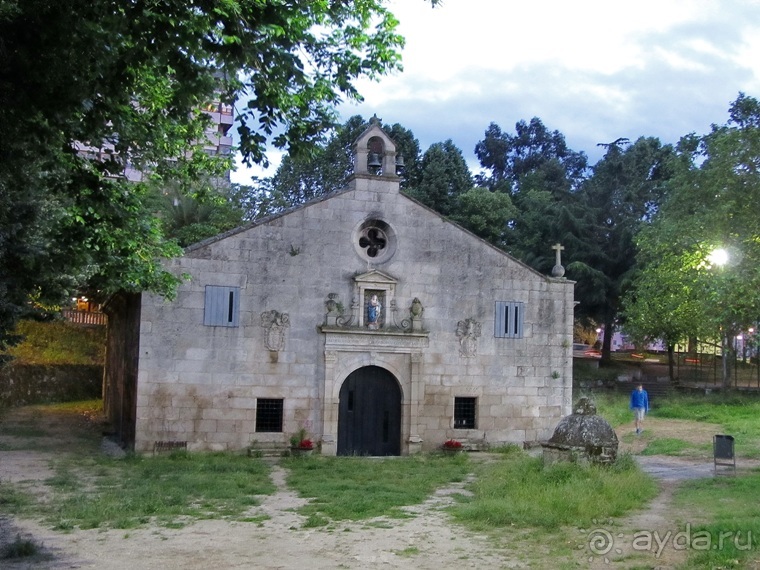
508	319
222	306
269	415
464	413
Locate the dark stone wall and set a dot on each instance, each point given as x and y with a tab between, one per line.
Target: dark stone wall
22	385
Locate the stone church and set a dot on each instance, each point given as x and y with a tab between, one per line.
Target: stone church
366	318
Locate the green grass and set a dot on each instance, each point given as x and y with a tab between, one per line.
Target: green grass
38	431
726	503
543	505
613	407
519	490
737	414
13	501
27	430
58	342
407	552
77	407
356	488
733	511
166	489
667	446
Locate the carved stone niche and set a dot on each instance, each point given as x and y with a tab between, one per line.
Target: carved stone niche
374	307
376	295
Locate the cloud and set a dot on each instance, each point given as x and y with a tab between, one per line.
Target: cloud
594	70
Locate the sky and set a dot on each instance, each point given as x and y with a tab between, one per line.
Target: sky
595	70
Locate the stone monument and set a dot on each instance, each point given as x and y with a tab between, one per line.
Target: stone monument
582	437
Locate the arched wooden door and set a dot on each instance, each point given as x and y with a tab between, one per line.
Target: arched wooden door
369	413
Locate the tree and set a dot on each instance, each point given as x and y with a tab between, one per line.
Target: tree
712	203
542	219
533	147
484	213
542	175
624	192
130	78
443	178
204	209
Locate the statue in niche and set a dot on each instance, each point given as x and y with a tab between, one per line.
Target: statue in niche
468	332
275	323
374	311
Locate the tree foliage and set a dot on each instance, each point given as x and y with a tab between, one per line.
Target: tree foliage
713	202
624	192
129	78
535	166
443	177
203	210
485	213
595	215
532	148
327	168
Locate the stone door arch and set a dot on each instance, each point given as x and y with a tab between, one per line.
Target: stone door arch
369	413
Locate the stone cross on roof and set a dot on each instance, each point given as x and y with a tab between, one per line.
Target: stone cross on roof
558	270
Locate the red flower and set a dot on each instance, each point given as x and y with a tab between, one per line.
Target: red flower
452	444
306	444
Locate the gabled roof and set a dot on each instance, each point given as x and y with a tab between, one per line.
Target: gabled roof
360	158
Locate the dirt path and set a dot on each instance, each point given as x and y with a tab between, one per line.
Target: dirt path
646	538
427	540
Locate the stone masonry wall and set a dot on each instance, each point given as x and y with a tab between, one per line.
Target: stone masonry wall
200	384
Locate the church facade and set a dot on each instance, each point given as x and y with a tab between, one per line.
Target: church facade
364	317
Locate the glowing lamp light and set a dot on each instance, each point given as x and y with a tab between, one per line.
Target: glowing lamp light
718	257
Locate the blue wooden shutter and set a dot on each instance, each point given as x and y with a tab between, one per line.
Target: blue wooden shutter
500	320
517	319
222	306
508	319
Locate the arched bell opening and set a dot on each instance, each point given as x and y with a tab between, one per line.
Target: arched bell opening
375	155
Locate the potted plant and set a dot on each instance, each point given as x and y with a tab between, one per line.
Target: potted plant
452	446
300	443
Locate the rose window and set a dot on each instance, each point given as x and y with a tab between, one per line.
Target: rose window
373	241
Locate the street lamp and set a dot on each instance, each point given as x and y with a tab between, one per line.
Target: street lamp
718	257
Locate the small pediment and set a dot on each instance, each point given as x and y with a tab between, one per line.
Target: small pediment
375	153
375	132
375	277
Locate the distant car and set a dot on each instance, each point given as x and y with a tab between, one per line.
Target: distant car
581	350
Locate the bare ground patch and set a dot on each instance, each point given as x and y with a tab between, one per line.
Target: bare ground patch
277	540
275	537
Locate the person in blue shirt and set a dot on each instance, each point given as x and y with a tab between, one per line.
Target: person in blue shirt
639	405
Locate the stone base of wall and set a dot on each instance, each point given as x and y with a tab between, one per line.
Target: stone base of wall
22	385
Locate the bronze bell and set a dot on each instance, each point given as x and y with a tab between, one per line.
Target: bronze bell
373	161
399	164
